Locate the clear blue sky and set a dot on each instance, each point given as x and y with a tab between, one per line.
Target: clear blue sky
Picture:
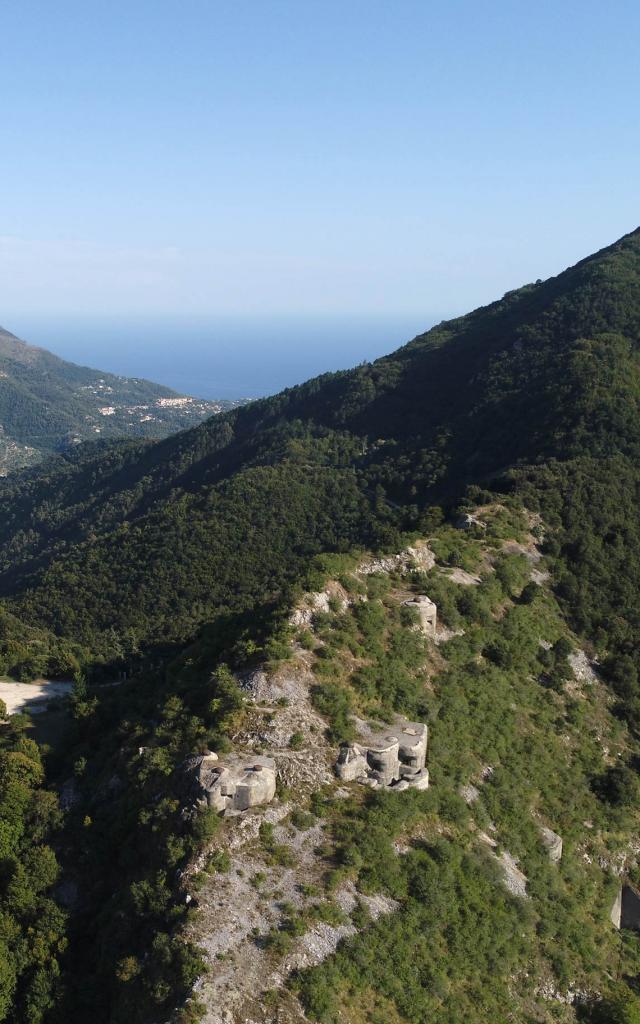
272	156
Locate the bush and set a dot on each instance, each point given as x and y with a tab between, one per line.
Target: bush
513	572
618	786
296	741
219	861
206	824
306	640
335	703
500	652
530	592
302	820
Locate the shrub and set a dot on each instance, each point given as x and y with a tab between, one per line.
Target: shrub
206	824
302	820
219	861
618	786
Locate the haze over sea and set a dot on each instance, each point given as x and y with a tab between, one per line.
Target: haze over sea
225	356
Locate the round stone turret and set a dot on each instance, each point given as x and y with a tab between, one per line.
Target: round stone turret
384	762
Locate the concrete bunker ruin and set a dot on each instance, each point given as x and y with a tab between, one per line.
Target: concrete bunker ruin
427	612
394	757
236	785
552	842
625	912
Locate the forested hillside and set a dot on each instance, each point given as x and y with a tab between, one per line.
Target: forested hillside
49	405
163	562
537	392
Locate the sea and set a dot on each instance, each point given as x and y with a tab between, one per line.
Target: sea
230	357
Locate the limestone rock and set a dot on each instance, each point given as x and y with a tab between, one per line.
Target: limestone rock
466	521
469	794
514	879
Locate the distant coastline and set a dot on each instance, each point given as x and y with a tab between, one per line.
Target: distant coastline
222	357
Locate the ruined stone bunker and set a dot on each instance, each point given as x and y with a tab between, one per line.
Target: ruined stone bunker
427	612
393	757
236	785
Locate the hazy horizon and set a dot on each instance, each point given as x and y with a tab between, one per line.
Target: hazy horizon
224	356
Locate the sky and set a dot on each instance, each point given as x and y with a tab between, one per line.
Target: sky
260	157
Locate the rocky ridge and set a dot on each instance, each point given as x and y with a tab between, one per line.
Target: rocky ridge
245	909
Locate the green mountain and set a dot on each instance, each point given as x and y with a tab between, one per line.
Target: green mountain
48	405
171	568
539	388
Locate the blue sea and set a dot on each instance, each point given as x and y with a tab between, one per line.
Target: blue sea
221	357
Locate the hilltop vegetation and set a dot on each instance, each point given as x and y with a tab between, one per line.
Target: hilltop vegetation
32	924
27	652
507	715
47	405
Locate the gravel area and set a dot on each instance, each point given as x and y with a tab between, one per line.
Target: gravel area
32	697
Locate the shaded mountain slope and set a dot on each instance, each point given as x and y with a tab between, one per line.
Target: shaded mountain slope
48	405
162	536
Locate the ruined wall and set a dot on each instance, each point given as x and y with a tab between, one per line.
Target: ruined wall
630	917
625	912
552	843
